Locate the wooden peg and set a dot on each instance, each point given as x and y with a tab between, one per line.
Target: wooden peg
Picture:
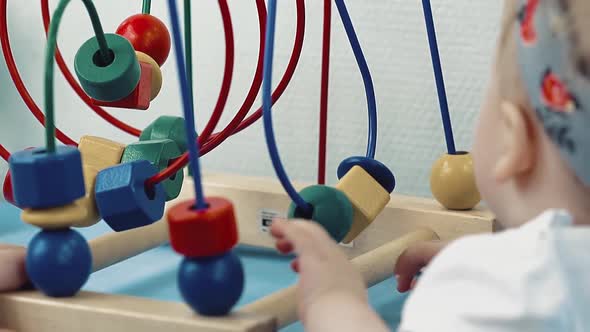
367	196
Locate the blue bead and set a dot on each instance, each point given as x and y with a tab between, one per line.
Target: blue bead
42	180
122	199
378	171
211	286
59	262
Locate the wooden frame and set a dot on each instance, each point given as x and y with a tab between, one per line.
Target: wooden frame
404	221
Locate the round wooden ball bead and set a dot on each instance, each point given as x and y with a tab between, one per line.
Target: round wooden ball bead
122	198
203	233
166	127
213	285
58	262
381	173
159	153
452	182
156	73
42	180
331	209
147	34
112	81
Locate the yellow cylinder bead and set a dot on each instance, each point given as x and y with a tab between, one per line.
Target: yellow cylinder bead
156	73
452	182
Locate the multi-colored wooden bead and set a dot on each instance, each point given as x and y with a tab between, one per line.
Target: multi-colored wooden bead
139	98
160	153
331	209
122	198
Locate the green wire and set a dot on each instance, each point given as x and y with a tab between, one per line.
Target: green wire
49	63
188	46
147	5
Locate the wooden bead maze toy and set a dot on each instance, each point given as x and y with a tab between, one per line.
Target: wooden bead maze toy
141	192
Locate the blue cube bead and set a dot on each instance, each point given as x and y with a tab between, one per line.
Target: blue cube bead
376	169
43	180
122	198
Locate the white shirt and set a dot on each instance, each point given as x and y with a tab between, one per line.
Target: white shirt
533	278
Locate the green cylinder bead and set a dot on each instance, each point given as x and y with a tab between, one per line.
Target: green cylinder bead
331	209
159	153
166	127
108	82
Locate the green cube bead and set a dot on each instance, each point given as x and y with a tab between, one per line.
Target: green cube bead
331	209
108	82
159	153
166	127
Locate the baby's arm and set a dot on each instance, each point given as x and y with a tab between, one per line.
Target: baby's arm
331	294
12	267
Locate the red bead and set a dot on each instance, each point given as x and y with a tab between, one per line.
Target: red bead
7	189
147	34
203	233
140	97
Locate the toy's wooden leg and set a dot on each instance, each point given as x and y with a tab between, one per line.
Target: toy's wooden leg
375	266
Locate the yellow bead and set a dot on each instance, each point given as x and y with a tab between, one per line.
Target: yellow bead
367	196
59	217
156	73
452	182
97	154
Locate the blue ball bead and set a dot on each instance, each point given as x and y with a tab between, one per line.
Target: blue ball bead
42	180
213	285
376	169
122	199
59	262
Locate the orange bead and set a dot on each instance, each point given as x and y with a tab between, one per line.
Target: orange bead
452	182
203	233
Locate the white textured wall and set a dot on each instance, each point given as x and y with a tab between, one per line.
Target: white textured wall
393	36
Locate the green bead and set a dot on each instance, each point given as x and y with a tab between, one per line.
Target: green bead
331	209
166	127
159	153
108	82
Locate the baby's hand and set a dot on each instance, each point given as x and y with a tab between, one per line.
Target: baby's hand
12	267
413	260
326	275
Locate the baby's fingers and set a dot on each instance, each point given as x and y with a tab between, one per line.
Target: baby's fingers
303	236
12	273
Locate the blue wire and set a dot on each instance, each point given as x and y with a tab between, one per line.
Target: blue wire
189	115
438	74
366	74
273	151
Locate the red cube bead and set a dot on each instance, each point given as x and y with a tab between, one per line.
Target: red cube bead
7	189
203	233
140	97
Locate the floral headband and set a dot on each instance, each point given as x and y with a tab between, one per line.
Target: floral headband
558	91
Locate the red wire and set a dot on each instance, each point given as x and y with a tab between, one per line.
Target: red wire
18	82
77	88
325	84
4	153
227	75
281	87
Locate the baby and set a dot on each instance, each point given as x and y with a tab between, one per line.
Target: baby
532	160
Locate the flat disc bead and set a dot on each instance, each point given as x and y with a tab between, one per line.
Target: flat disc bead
202	233
122	199
159	153
166	127
43	180
376	169
58	262
108	82
331	209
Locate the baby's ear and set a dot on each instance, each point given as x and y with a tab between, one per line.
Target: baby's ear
517	139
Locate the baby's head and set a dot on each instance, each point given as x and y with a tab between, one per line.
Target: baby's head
532	147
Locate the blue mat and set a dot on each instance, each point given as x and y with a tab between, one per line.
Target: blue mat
153	274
